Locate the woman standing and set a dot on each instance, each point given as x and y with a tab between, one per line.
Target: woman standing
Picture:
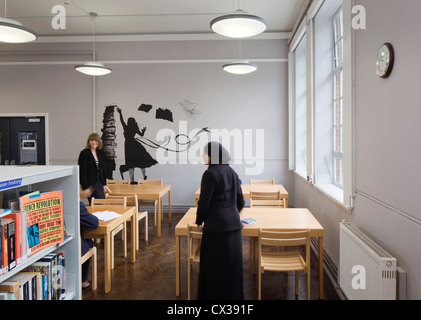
221	257
92	169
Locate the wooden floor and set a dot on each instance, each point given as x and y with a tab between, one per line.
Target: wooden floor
152	276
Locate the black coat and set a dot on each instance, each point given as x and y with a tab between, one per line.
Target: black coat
89	222
88	173
221	199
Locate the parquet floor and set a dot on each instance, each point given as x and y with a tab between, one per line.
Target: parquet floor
152	276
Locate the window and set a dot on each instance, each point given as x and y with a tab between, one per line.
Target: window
301	108
326	155
338	100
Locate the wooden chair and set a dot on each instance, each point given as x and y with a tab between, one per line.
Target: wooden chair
132	201
193	251
91	254
284	261
112	181
150	202
121	227
262	181
266	199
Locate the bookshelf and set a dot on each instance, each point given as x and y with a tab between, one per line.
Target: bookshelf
49	178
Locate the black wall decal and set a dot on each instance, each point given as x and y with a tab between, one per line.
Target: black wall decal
135	153
109	140
163	114
145	107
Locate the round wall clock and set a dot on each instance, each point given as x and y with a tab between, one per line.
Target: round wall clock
385	60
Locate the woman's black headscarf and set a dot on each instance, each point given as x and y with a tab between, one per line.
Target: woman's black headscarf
217	153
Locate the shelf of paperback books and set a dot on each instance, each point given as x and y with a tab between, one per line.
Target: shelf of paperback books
40	226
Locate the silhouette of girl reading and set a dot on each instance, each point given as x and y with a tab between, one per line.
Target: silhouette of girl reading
134	152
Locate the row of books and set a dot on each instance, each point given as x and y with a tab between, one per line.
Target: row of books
36	225
43	280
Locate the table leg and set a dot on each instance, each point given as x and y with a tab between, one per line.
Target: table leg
159	215
177	266
321	293
134	236
169	206
107	262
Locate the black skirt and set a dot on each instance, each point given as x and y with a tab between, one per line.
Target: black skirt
221	266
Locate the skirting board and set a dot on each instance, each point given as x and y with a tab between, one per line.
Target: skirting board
329	267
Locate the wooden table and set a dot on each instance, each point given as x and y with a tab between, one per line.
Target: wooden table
260	187
146	191
282	218
104	231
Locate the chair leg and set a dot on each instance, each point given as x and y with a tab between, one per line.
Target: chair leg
259	284
308	284
296	283
146	227
188	280
124	238
94	270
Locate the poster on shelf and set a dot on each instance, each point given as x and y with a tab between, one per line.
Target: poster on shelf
44	219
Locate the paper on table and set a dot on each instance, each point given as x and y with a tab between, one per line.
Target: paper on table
106	215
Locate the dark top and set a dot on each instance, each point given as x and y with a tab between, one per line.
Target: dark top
89	174
89	222
221	199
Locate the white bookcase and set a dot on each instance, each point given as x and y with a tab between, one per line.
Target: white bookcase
49	178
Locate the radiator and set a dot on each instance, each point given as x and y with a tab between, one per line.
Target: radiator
366	271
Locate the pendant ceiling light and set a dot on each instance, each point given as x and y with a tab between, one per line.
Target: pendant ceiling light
238	25
12	31
239	67
93	68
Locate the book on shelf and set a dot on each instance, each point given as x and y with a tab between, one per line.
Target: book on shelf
44	219
28	285
8	244
9	290
51	268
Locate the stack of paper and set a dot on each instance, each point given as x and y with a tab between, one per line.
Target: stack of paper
106	215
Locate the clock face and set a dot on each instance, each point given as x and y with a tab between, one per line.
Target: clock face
384	60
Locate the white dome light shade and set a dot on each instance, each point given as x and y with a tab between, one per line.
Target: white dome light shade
239	67
93	68
238	25
12	31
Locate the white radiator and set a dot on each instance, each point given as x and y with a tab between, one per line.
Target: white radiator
366	271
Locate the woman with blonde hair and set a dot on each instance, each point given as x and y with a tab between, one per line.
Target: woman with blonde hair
92	169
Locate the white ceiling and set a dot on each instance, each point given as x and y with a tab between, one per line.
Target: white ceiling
146	17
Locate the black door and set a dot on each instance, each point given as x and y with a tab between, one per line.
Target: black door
4	140
24	143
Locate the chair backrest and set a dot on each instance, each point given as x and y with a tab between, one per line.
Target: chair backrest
266	199
111	181
131	201
108	202
193	233
262	181
285	238
158	181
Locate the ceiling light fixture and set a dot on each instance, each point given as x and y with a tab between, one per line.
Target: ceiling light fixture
12	31
238	25
239	66
93	68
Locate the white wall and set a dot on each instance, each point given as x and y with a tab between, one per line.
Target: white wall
243	103
387	149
